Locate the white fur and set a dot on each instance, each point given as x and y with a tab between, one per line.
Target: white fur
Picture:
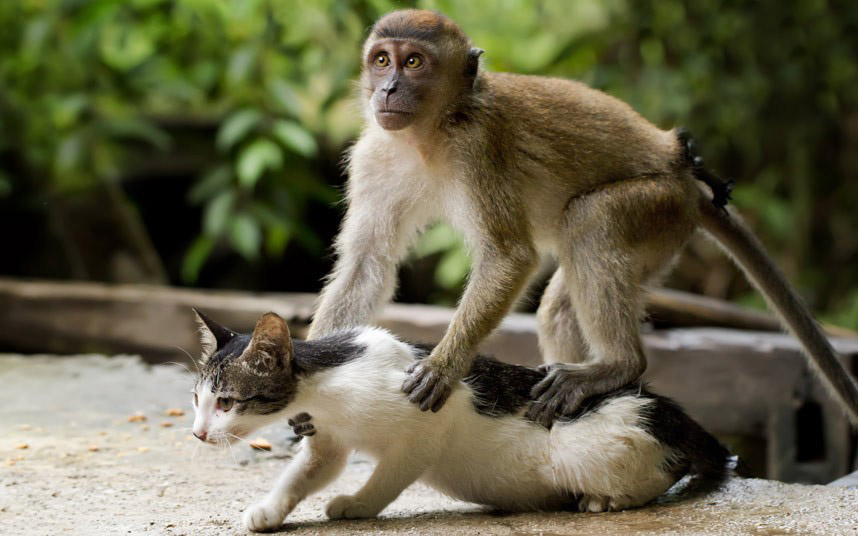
604	457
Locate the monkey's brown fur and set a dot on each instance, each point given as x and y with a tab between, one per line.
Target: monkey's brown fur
524	166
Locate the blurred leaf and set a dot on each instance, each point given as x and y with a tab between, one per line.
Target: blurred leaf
124	46
254	159
295	137
276	240
139	129
453	268
195	258
245	236
217	213
211	184
438	238
285	97
67	110
237	126
240	63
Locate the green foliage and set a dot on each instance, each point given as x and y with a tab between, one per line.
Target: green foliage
91	85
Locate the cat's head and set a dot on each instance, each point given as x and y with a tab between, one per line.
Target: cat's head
244	380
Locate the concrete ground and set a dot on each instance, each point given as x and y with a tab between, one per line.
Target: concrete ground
72	463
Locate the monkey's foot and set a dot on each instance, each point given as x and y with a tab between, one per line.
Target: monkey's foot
301	425
566	386
427	387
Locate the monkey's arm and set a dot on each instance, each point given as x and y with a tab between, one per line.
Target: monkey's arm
497	278
376	234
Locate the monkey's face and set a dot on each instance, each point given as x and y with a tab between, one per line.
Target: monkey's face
400	75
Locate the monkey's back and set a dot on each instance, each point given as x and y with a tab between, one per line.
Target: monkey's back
566	125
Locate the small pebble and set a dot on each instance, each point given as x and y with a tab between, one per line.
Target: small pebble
175	412
22	446
261	444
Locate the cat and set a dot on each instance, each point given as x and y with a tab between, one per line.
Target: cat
342	393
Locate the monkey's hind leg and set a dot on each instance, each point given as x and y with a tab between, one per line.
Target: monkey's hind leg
619	237
560	337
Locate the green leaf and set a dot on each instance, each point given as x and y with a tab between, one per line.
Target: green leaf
212	183
236	127
277	239
217	212
295	137
66	110
139	129
285	97
254	159
453	268
245	236
125	46
438	238
195	258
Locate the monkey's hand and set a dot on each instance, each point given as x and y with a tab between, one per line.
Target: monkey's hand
566	386
301	425
427	386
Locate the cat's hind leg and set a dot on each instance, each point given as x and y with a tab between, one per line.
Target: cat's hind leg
318	462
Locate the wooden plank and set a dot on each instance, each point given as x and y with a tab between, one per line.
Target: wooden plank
685	309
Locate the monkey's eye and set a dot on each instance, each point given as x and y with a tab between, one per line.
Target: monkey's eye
382	60
225	403
413	62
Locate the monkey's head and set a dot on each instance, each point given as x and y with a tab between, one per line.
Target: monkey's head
416	65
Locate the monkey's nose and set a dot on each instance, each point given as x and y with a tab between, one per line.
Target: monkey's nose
201	437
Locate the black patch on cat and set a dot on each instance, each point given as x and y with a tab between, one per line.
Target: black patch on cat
500	388
697	450
504	389
328	352
232	349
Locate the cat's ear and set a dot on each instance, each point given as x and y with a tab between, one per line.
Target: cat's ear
213	336
271	343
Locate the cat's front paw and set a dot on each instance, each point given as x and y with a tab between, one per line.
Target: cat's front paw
264	516
301	425
349	507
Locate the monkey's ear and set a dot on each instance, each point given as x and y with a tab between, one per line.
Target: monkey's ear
213	336
472	65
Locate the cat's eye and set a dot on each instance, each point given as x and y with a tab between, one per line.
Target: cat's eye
414	62
196	400
382	60
225	403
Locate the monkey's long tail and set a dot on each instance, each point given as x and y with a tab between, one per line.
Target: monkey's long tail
738	241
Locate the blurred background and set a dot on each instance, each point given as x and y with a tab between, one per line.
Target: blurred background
199	142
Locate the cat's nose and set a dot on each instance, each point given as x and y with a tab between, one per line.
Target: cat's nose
201	437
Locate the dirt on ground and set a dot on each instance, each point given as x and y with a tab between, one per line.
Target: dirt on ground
96	445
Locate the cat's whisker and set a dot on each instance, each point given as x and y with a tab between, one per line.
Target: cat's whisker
239	438
194	361
231	451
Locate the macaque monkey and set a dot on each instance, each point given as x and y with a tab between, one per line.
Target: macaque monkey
523	166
